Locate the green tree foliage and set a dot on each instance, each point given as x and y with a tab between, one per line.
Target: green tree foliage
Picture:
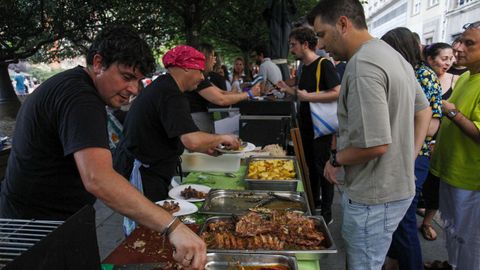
27	26
193	15
55	29
152	19
238	28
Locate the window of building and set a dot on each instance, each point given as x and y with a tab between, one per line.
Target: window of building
417	4
429	41
401	10
432	3
463	2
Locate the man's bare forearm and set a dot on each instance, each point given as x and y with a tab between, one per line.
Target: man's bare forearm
99	178
467	126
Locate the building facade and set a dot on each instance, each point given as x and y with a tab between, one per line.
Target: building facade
384	15
458	13
433	20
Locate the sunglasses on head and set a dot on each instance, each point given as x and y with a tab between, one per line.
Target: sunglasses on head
471	25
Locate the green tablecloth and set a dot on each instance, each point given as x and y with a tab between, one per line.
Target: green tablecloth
221	181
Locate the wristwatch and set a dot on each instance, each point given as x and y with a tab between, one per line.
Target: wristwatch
333	159
452	113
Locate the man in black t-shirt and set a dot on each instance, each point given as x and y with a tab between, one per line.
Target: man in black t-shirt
60	158
158	125
207	92
303	42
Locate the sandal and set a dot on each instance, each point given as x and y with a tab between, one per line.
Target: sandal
437	265
428	232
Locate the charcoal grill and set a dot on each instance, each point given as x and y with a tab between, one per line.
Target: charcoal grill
52	245
19	235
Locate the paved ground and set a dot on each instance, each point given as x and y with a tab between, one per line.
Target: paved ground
110	235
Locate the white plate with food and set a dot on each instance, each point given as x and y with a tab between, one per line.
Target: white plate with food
245	147
178	207
191	193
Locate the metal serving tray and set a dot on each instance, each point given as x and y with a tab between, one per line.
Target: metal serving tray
280	184
299	254
237	202
228	261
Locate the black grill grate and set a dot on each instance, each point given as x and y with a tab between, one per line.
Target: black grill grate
18	235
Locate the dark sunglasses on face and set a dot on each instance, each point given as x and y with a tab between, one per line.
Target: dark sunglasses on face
471	25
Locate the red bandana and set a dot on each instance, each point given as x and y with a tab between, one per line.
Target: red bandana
185	57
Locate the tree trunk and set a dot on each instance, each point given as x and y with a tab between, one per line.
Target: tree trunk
193	24
191	35
9	103
192	31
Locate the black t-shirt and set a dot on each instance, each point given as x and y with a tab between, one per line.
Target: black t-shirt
218	80
340	68
197	102
157	118
308	81
457	71
62	116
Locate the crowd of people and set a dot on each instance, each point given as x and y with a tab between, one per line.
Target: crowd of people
408	132
390	138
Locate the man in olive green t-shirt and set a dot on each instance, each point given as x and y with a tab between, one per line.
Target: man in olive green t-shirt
456	159
383	117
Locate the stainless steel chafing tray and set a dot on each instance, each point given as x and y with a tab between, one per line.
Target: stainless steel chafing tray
237	202
276	184
228	261
299	254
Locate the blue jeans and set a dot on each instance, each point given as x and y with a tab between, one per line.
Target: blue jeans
367	231
405	245
461	215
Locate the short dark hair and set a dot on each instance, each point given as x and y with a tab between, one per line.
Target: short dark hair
262	49
404	42
305	34
122	44
331	10
433	50
206	48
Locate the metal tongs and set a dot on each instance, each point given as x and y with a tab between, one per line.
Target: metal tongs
271	196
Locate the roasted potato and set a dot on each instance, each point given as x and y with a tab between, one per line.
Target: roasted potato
271	169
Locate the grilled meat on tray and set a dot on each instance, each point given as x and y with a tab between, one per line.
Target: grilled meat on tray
277	230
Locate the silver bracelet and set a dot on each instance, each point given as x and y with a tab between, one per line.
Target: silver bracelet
167	229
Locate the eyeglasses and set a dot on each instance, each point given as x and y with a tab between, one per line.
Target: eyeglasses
471	25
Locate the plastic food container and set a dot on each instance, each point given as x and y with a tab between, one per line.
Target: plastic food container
198	162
